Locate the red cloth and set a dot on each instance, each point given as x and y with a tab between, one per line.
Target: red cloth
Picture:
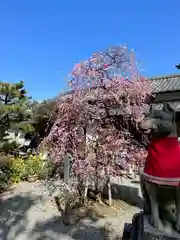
163	158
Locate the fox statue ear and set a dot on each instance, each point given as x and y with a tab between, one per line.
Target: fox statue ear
167	108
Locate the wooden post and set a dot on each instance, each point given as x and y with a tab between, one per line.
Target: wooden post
67	209
67	166
109	192
86	190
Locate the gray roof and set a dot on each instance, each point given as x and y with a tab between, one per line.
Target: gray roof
165	83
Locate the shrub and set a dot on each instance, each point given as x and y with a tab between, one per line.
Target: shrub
4	175
15	169
33	165
37	166
46	170
8	146
3	179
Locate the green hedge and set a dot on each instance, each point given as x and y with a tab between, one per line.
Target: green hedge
16	169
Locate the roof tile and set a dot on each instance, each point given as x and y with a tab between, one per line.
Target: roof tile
164	84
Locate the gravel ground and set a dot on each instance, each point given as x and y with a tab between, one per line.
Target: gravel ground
28	212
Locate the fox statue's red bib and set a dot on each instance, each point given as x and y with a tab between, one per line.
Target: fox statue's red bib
163	158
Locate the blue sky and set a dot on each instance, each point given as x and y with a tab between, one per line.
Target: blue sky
41	40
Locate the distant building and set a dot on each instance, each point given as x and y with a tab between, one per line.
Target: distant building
14	136
167	89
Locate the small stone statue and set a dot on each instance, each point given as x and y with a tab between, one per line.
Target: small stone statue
160	180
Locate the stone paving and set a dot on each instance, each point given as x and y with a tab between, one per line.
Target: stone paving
27	212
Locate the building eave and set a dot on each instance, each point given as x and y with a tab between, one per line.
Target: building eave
168	83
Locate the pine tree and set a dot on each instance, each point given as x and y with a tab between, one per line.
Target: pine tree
44	115
13	106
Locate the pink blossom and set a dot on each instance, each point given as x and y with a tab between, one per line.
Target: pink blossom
99	93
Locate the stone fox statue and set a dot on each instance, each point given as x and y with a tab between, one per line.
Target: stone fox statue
160	180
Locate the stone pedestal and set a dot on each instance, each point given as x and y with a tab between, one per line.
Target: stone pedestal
143	230
127	231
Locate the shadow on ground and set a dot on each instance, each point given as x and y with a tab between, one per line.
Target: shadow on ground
54	229
15	224
13	212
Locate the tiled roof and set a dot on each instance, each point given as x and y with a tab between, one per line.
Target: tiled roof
166	83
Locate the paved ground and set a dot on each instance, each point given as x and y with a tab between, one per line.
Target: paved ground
27	212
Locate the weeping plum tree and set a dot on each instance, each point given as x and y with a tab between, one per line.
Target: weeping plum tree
104	88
